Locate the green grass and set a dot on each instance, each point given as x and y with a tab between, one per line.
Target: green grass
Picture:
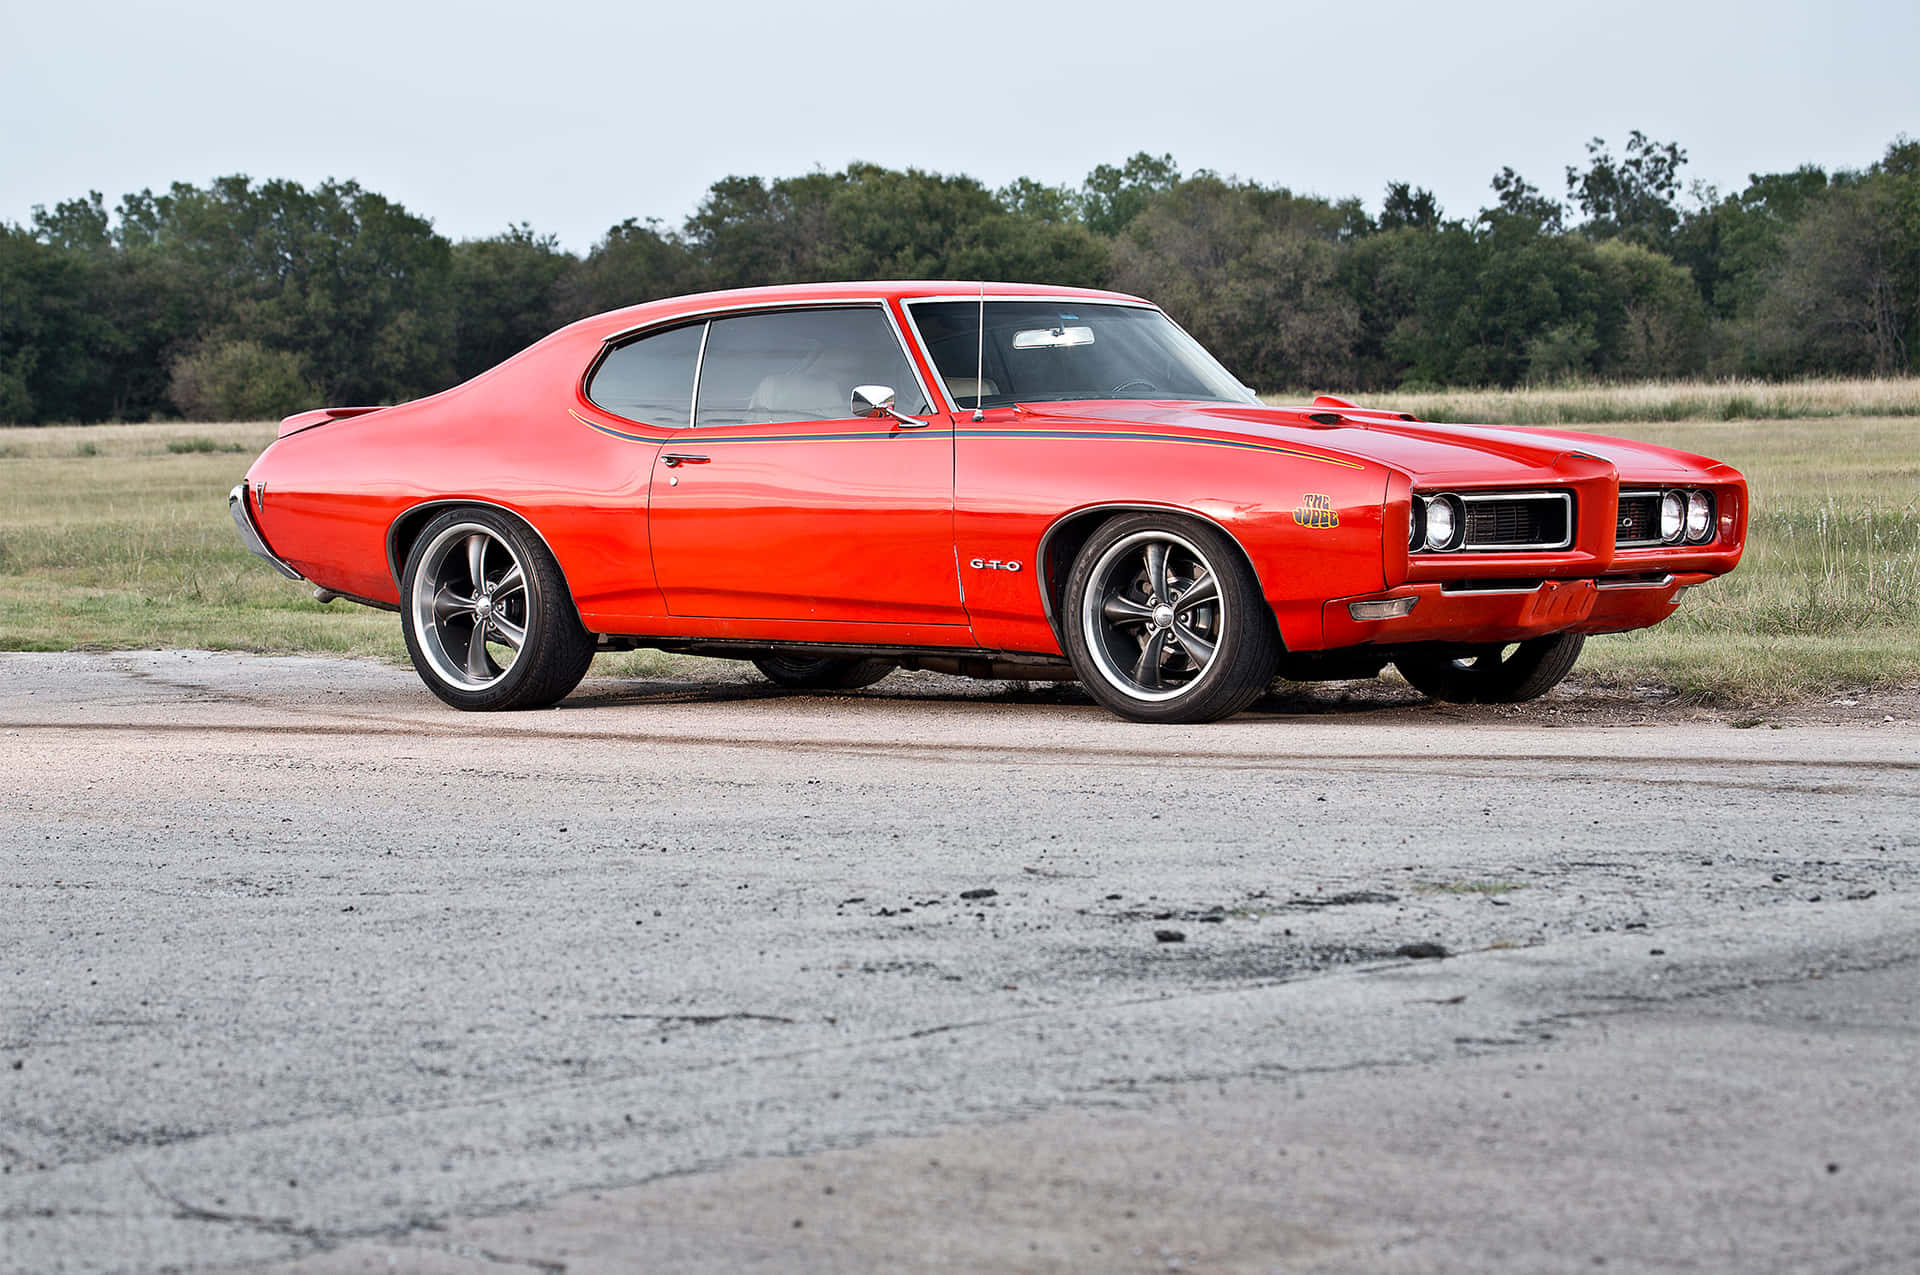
199	443
117	536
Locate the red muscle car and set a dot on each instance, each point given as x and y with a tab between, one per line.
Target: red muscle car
1003	481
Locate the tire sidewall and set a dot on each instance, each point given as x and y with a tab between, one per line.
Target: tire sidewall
1535	667
1248	647
532	554
821	673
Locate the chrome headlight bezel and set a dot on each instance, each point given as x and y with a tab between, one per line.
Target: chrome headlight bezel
1673	517
1700	516
1447	514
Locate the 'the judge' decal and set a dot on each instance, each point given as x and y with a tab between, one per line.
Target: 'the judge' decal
1316	511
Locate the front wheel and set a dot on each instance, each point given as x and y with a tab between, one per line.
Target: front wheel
487	616
1495	674
1165	621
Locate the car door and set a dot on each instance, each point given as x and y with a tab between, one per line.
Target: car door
777	503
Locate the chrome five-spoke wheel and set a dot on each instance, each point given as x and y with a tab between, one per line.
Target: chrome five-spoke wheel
470	606
1167	622
488	618
1153	616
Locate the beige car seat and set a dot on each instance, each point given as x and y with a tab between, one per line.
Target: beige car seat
800	396
959	387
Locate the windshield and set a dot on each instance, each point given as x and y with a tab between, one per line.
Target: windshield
1049	351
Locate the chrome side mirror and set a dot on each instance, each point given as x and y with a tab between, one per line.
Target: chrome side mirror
871	402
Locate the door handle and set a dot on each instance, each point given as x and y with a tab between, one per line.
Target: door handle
674	460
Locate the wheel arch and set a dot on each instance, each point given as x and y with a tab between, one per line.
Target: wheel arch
1062	541
406	529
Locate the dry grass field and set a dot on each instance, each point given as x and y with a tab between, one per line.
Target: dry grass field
117	536
1661	401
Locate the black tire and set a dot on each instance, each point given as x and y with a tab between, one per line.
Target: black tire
822	673
525	601
1496	674
1197	645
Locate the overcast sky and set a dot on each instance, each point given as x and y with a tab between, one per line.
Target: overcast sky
574	116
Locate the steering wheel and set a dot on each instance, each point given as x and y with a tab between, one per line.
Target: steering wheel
1127	385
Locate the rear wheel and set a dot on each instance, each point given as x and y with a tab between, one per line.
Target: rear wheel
822	673
487	616
1507	674
1165	621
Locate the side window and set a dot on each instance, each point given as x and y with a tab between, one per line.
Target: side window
800	365
649	380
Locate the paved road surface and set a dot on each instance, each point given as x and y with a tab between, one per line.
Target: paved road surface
301	967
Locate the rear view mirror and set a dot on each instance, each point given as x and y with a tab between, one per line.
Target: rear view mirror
1052	338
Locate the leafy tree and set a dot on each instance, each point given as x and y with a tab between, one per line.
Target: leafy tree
869	222
1652	320
1732	244
884	224
77	225
1519	203
1381	275
1409	207
1633	196
55	346
144	312
634	261
1112	197
1252	272
1023	250
748	231
248	298
1026	198
1498	303
347	279
1845	296
506	295
240	380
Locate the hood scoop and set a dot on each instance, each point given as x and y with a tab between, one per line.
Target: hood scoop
1347	405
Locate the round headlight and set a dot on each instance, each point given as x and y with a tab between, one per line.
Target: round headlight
1673	516
1443	521
1699	516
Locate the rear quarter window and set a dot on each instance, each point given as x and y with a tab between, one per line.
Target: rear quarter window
649	380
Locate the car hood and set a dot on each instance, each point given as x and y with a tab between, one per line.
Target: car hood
1428	452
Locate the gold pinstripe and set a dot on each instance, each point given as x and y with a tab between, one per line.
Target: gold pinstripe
1009	432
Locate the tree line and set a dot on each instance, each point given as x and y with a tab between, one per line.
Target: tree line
244	299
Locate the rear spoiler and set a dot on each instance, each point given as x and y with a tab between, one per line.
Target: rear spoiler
320	416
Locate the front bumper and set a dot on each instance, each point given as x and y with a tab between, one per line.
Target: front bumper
1484	611
240	505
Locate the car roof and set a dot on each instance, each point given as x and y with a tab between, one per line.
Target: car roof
614	322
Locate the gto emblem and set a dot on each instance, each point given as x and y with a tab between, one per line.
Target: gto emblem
993	564
1316	511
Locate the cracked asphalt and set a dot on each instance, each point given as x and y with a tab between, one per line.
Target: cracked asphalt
304	971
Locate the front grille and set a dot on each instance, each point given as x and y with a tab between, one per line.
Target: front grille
1534	520
1639	519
